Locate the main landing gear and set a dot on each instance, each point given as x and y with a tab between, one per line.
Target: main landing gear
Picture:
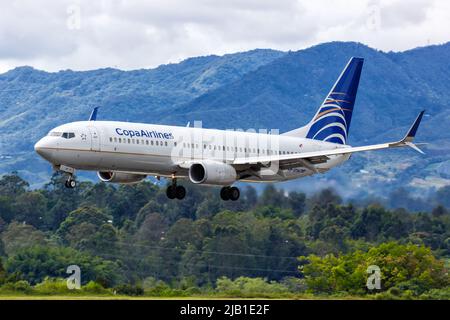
230	193
173	191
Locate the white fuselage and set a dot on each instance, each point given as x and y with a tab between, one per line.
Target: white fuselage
161	150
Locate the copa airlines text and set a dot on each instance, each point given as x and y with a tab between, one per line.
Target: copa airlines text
123	152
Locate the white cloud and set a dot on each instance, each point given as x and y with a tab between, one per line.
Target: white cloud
130	34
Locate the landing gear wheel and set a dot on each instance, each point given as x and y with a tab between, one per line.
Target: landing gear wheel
225	193
70	183
180	192
234	193
171	192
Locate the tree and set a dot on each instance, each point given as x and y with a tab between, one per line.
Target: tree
297	202
2	272
30	207
2	248
20	235
62	200
443	196
34	264
89	229
12	184
152	230
6	210
251	197
273	197
129	199
402	265
439	211
325	197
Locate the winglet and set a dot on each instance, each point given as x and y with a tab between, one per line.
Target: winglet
409	137
413	130
93	116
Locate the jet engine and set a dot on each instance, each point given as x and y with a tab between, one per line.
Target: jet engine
212	172
120	177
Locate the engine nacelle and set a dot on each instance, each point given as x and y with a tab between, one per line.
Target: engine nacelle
120	177
212	172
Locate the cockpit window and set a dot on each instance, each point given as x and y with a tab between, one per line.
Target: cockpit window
65	135
68	135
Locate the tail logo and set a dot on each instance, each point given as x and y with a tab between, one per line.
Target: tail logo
332	121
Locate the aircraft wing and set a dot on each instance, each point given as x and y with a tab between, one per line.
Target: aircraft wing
309	159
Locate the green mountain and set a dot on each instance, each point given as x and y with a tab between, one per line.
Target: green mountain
255	89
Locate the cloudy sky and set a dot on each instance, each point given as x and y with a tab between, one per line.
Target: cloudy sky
131	34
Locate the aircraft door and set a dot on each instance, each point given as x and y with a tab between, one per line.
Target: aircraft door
95	139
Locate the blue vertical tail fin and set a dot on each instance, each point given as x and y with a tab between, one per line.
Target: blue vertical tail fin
332	120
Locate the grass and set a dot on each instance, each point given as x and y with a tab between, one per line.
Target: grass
197	297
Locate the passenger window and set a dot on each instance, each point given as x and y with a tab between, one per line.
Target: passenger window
129	140
151	142
165	143
175	143
146	142
137	141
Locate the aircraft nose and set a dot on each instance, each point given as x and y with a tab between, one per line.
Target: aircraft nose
41	149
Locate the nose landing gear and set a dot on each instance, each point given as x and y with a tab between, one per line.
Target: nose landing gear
174	191
70	183
229	193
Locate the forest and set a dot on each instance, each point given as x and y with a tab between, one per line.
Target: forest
131	240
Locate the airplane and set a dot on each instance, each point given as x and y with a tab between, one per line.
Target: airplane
124	152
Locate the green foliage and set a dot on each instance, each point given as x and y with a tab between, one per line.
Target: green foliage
12	184
88	229
19	235
406	267
129	290
437	294
34	264
51	286
123	235
250	287
21	286
2	272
